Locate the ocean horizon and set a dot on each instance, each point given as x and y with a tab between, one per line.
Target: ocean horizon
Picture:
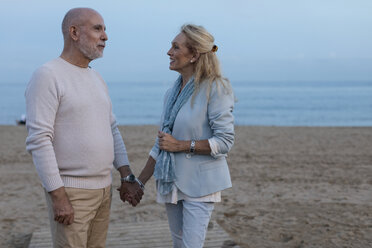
258	103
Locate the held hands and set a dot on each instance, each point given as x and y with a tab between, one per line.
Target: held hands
62	208
168	143
130	192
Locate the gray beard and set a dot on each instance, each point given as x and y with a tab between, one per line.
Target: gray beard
89	51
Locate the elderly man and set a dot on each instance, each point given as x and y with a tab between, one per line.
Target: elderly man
73	136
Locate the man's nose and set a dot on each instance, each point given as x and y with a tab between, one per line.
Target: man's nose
104	36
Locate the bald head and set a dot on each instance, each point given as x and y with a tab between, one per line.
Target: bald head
76	17
84	34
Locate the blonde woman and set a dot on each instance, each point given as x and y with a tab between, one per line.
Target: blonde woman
188	159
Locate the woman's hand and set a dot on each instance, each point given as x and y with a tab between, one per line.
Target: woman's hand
168	143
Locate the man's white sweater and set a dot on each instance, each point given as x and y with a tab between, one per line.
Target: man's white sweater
72	133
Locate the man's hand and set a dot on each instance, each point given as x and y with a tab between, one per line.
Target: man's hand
62	208
130	192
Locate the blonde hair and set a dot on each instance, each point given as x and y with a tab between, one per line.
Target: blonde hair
207	66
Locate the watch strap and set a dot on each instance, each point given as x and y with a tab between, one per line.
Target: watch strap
140	184
130	178
192	146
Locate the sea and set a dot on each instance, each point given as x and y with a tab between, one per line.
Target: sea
300	103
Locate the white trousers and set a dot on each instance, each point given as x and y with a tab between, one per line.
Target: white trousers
188	222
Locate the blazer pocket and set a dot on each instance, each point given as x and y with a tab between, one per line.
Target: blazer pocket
214	164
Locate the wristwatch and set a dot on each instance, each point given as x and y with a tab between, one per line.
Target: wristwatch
142	186
192	149
132	179
129	179
192	146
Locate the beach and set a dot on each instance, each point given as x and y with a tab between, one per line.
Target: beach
292	187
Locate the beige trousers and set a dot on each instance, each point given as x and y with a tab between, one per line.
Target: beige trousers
91	219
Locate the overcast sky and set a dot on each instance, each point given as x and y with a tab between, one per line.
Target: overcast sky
259	40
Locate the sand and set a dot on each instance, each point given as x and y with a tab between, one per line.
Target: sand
292	187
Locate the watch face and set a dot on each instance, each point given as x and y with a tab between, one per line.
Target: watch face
131	178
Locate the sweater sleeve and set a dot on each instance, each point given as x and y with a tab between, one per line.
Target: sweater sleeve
120	151
221	120
42	101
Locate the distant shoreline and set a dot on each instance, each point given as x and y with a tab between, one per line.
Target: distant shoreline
307	104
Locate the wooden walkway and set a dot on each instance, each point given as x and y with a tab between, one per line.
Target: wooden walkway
142	235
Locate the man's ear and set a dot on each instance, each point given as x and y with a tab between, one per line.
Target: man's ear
74	33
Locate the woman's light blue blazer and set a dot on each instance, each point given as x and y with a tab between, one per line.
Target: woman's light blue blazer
201	175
